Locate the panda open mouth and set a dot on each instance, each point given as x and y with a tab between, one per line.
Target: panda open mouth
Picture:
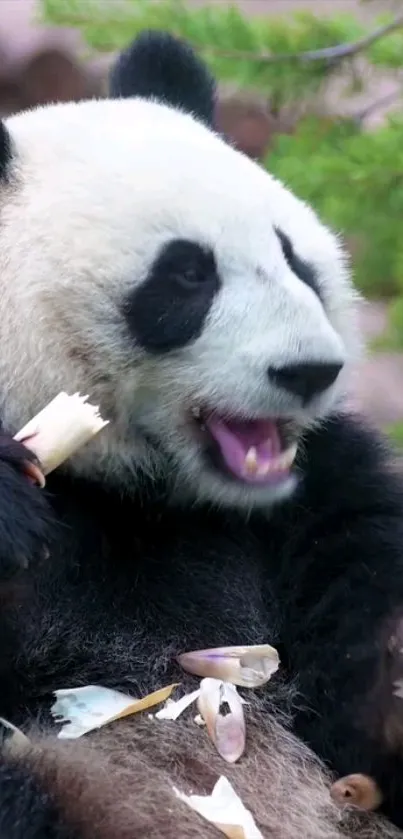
253	451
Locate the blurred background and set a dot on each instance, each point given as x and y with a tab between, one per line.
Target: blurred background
311	89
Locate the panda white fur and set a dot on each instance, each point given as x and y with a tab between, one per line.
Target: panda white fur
230	500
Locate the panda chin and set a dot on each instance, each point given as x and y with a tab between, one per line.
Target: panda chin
255	452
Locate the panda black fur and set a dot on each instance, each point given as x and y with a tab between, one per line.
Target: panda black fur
147	263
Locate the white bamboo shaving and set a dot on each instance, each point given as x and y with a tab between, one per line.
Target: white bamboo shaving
225	810
66	424
247	666
173	709
227	731
87	708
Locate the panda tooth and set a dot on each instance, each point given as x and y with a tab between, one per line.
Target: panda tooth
287	457
264	469
196	413
251	461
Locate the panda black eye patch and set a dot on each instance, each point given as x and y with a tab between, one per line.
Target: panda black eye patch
305	272
168	309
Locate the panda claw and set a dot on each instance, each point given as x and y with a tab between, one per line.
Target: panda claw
34	474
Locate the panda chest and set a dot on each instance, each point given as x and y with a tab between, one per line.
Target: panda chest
195	581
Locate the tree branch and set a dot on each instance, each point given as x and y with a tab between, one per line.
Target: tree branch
383	101
332	55
342	51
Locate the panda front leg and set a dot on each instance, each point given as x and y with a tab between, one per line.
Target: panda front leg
26	528
26	809
346	646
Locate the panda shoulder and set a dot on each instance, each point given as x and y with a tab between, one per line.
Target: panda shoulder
349	465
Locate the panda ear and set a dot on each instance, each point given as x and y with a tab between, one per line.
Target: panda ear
160	67
5	151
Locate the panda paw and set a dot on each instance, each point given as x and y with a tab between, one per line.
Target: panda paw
24	512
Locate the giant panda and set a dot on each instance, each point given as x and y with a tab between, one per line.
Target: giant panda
211	315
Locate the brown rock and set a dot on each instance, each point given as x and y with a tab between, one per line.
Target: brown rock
245	121
51	74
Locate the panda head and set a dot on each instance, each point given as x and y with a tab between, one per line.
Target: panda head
147	263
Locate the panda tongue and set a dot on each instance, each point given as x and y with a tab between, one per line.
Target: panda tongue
237	439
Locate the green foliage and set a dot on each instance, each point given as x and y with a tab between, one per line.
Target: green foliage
353	178
395	432
355	181
255	52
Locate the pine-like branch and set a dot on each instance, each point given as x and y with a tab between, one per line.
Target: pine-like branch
103	13
330	55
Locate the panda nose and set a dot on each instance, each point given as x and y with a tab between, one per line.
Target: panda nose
306	379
